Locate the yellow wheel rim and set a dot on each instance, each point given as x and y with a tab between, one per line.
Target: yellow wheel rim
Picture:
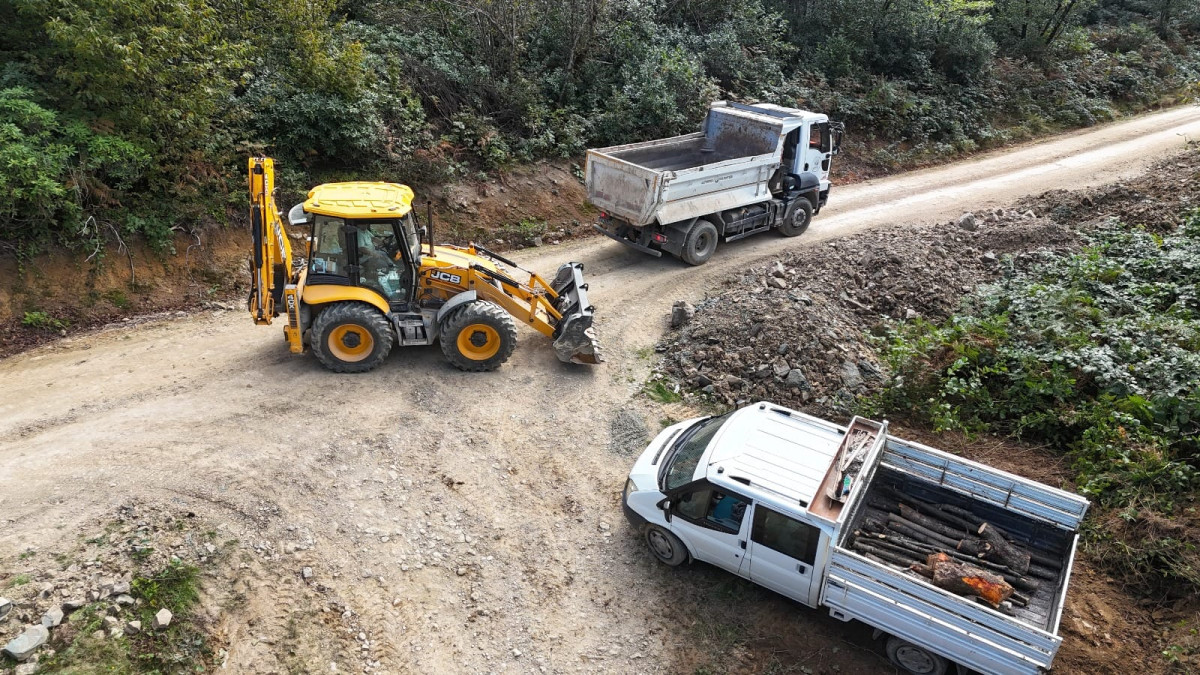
350	343
478	342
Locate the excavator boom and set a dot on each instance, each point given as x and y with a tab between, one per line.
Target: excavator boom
271	258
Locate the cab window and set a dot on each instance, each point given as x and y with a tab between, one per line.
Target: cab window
685	456
380	266
409	228
785	534
328	248
713	508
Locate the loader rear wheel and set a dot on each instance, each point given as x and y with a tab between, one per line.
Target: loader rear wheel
799	219
478	336
910	658
351	337
700	243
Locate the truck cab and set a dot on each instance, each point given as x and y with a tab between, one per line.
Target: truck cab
734	490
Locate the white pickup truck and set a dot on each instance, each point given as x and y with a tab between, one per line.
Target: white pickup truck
778	497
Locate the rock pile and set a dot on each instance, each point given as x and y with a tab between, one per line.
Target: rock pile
796	330
47	595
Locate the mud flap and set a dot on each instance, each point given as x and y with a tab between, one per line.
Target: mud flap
574	337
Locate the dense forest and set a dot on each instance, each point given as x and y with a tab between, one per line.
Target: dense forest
131	118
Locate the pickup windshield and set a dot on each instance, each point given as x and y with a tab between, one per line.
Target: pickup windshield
685	454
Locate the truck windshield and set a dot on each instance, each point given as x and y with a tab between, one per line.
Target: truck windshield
680	466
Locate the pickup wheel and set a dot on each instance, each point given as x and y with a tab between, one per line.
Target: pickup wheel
700	243
799	219
351	337
478	336
913	659
665	546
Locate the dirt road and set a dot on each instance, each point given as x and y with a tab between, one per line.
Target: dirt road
467	522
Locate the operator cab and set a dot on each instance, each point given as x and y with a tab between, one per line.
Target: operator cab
362	234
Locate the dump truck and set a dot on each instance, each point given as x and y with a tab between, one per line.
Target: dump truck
752	168
367	281
954	563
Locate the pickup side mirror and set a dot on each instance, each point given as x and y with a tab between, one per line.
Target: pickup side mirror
665	505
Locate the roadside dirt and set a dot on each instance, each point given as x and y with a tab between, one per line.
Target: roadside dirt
453	522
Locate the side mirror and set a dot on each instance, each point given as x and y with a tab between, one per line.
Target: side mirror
665	505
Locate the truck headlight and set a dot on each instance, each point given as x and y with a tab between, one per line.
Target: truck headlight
629	487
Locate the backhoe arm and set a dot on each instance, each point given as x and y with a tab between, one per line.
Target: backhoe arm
271	257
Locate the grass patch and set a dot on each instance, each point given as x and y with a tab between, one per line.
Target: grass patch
662	392
1096	354
523	231
117	298
181	648
39	320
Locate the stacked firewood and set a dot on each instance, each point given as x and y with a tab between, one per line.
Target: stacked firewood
953	547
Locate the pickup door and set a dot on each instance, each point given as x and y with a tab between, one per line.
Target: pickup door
781	553
770	548
712	522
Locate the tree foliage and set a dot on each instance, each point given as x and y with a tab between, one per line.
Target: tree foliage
174	95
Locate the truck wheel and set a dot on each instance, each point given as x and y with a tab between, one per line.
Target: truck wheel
665	546
700	243
913	659
798	221
478	336
351	337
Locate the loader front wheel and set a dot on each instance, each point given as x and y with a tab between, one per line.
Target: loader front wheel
478	336
700	243
351	337
798	220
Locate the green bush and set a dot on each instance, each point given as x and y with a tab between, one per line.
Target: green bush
1097	354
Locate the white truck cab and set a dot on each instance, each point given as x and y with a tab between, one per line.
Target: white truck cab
732	491
778	497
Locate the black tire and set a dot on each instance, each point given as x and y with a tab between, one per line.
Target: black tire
351	337
910	658
665	546
700	243
478	336
798	221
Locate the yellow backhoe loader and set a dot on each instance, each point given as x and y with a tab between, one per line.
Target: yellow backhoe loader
367	282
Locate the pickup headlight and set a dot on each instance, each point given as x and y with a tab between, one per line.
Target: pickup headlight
629	487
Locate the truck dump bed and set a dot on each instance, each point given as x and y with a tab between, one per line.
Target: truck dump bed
1037	517
672	179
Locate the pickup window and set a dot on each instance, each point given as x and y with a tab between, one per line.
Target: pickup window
785	534
685	455
710	507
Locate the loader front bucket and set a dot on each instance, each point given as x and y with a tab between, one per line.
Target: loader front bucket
574	338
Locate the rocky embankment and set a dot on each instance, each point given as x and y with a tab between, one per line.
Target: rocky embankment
798	330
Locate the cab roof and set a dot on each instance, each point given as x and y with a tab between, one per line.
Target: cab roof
360	199
773	452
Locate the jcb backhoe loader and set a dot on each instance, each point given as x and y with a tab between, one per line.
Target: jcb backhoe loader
367	283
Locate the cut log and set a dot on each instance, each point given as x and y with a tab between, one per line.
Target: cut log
928	523
907	545
1043	572
1045	560
918	532
1003	552
883	503
933	510
974	547
890	556
966	515
965	579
